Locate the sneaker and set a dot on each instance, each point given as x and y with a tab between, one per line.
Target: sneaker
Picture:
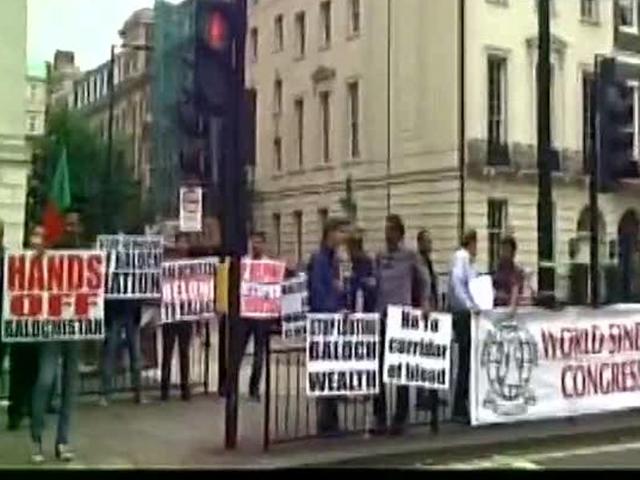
37	457
396	430
255	396
14	424
64	453
103	402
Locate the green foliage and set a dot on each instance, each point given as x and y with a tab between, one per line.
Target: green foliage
108	198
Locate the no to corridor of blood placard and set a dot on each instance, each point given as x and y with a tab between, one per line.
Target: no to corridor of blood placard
56	296
342	354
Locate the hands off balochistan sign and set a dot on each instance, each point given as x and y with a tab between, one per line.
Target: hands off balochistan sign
56	296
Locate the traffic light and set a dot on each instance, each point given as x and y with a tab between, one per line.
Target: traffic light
615	107
216	36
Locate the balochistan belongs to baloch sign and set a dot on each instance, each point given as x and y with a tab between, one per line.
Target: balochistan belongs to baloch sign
55	296
189	289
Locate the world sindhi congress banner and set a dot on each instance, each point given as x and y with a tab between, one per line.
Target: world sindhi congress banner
554	364
134	266
55	296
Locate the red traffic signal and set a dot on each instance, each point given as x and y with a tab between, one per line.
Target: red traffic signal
217	30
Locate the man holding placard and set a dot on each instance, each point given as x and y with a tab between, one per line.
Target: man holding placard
326	295
400	283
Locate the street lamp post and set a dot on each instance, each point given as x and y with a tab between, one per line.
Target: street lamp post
112	99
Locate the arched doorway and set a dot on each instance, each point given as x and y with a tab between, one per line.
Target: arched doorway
582	242
628	230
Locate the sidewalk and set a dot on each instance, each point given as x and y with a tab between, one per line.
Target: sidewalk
191	435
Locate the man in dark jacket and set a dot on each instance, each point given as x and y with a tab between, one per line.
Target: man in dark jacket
326	295
362	282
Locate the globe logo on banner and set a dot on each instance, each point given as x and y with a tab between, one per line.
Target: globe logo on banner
509	355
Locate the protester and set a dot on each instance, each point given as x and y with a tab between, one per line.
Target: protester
462	307
401	283
362	282
508	280
182	331
119	315
249	327
428	400
50	354
424	250
326	295
23	360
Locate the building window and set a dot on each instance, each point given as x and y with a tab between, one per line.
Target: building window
323	216
277	232
299	109
628	14
325	24
497	100
354	17
353	89
301	34
588	120
589	10
277	96
32	123
297	220
279	34
253	42
32	92
277	154
325	122
497	217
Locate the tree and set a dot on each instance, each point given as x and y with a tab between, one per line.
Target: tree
109	203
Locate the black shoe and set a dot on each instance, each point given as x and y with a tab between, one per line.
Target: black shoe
254	397
14	424
186	395
164	396
461	419
378	430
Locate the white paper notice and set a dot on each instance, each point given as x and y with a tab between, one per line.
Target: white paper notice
481	289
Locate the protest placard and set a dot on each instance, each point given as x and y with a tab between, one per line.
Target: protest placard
188	289
295	299
342	354
55	296
190	209
134	266
261	288
417	349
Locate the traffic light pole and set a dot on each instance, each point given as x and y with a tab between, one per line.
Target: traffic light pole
594	185
546	267
234	224
112	98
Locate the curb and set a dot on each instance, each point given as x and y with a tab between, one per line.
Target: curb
425	451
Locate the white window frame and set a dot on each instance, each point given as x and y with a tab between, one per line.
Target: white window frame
300	26
354	153
504	100
325	121
325	30
351	10
594	15
633	28
278	33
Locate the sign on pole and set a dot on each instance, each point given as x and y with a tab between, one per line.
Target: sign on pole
134	266
56	296
189	289
190	209
342	354
261	288
417	349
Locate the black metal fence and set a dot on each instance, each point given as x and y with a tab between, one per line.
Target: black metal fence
289	415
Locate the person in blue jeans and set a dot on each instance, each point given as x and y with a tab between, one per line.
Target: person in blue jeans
121	314
49	357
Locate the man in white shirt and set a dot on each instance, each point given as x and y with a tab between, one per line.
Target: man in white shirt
462	307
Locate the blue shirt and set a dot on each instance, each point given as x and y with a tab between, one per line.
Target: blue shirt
324	274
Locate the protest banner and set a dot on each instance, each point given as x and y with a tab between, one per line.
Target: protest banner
417	349
188	289
134	266
294	307
545	364
55	296
190	209
342	354
261	288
